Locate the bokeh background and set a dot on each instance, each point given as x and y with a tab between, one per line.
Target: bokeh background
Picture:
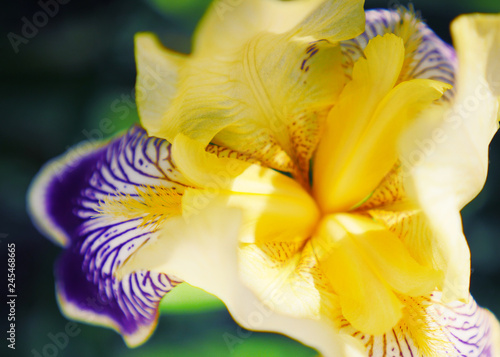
78	70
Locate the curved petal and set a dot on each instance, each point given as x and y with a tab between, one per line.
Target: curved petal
367	267
267	99
411	226
228	24
426	55
274	205
157	77
69	195
347	121
346	167
194	252
432	329
445	153
262	80
355	175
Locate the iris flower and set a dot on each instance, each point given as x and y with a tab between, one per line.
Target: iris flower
305	166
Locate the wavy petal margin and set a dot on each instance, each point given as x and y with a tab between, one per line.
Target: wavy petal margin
259	81
65	203
426	57
433	329
194	254
445	154
429	328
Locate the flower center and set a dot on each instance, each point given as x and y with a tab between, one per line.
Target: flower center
359	144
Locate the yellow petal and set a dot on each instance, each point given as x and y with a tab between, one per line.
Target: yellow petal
203	253
445	154
390	190
275	207
287	275
157	76
373	77
390	206
432	329
227	24
267	99
262	79
359	147
367	265
204	169
266	218
411	226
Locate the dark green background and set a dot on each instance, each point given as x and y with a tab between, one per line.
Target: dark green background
63	83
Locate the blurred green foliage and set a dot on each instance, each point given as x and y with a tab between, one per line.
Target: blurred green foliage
75	77
186	11
187	299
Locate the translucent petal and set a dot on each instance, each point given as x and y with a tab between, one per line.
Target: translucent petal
445	154
267	100
228	24
157	78
261	80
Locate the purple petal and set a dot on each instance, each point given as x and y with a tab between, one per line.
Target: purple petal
63	201
468	327
433	59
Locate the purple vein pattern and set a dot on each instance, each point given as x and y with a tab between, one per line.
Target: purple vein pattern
452	330
97	244
432	59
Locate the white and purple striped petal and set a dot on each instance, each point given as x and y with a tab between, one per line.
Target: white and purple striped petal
435	329
428	56
64	201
